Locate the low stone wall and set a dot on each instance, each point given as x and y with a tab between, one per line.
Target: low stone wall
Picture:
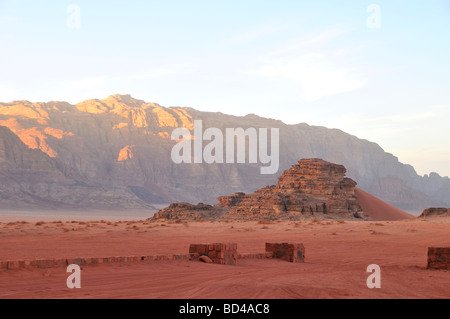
64	262
225	254
219	253
438	258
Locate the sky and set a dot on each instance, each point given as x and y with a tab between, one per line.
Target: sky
379	70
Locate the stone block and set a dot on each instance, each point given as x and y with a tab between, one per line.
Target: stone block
439	258
219	253
294	253
13	264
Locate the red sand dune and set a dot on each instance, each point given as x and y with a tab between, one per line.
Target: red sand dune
379	210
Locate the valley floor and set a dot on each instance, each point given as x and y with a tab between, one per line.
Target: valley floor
337	256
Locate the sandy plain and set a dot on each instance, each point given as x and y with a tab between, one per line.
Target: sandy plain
337	256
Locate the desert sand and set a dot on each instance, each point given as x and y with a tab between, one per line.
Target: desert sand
337	256
377	209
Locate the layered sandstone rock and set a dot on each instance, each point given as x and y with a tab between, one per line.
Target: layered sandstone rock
434	212
313	187
126	153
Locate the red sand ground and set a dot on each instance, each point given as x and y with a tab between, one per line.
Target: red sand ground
337	256
379	210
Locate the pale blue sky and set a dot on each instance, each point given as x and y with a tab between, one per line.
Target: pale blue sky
299	61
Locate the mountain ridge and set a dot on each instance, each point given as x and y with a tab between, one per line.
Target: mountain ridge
88	138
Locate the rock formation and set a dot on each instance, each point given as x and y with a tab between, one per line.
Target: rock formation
186	211
435	212
313	187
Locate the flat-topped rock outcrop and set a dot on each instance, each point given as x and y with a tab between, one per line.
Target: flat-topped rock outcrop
313	187
435	212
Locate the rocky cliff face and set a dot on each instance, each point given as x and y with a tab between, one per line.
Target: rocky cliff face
122	146
31	179
312	188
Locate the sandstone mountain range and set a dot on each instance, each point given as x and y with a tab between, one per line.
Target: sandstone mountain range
115	154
